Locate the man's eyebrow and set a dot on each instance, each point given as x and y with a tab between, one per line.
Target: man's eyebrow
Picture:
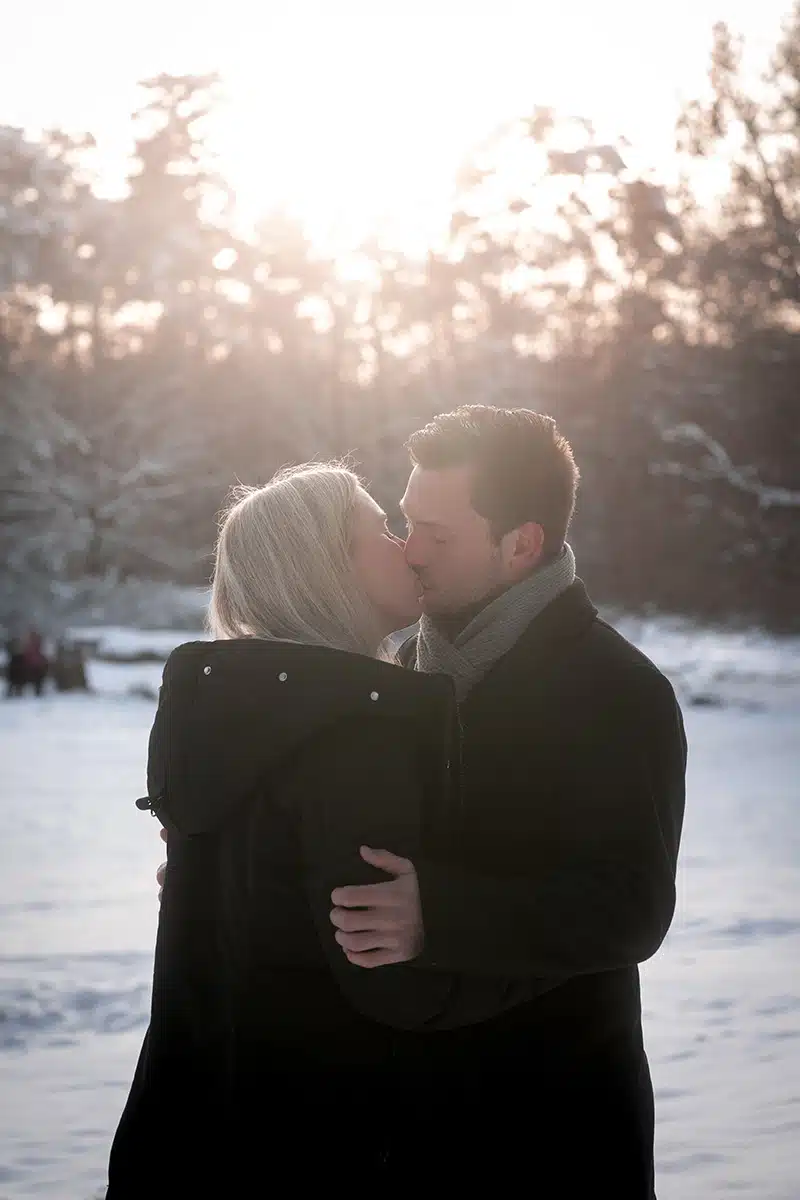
425	524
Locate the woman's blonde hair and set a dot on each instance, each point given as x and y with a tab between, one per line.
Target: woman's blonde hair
283	564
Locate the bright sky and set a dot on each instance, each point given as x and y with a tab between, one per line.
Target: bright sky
359	111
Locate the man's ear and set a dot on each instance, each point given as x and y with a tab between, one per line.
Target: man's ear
526	548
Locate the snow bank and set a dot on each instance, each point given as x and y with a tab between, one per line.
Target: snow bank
709	667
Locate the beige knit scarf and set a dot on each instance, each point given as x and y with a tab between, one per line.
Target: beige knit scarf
495	629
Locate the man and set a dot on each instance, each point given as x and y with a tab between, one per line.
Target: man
574	762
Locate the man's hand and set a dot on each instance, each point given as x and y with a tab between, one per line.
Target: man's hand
162	870
380	923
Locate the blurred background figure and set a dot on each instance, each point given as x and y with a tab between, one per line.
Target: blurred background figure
14	666
28	665
69	667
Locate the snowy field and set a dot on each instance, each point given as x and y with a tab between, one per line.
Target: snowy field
78	911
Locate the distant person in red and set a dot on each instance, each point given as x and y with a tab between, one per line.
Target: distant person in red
27	664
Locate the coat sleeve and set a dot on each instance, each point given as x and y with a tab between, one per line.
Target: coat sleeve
359	784
606	896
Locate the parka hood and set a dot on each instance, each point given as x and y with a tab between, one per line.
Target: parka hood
232	713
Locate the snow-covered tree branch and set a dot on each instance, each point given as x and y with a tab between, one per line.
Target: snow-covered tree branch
716	463
95	489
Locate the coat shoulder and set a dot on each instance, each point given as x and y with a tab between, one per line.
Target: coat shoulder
233	713
623	667
609	642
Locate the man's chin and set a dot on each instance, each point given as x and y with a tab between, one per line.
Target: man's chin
440	608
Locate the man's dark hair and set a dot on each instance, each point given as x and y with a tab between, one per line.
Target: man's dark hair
523	469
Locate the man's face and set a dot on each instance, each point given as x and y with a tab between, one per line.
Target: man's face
449	544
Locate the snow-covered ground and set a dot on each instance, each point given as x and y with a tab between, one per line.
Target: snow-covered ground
78	911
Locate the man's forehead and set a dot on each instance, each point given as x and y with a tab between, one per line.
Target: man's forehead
438	496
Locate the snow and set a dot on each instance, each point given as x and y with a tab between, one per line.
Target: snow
119	641
78	911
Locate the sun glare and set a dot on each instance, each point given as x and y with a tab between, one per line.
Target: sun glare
359	126
356	114
357	166
348	148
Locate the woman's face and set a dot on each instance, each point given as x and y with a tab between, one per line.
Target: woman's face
380	562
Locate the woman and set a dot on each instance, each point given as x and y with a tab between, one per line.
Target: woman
277	751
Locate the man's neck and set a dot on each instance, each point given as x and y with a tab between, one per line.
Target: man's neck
450	625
